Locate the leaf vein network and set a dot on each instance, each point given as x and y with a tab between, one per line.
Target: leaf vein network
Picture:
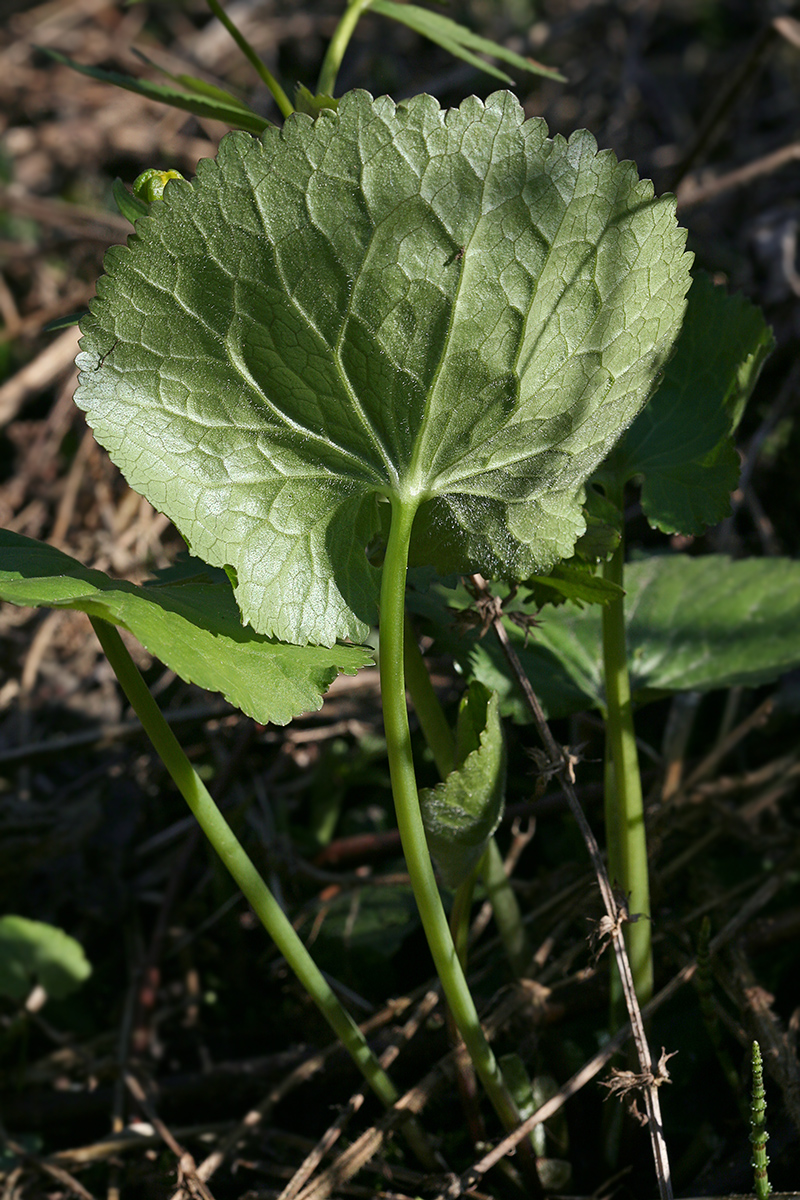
324	439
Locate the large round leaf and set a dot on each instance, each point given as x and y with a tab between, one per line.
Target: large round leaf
388	301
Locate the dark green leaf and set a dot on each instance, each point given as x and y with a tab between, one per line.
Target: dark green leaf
65	322
681	443
191	624
130	205
460	41
574	581
232	114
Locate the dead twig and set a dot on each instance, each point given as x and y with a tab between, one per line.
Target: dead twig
562	764
187	1171
593	1066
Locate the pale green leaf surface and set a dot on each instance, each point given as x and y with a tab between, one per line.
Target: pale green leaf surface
681	443
692	624
445	307
462	813
32	952
191	624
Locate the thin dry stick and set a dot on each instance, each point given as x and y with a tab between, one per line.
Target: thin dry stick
691	193
712	760
332	1135
594	1065
370	1142
187	1171
301	1074
562	764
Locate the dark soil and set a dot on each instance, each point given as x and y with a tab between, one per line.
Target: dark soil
187	998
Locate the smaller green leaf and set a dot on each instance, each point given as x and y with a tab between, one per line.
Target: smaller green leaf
131	206
691	624
306	102
603	528
461	814
574	581
190	622
459	41
232	114
65	322
32	952
681	442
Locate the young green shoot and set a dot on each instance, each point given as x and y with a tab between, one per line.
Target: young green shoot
758	1128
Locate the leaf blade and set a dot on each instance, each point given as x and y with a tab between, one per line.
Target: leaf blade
191	623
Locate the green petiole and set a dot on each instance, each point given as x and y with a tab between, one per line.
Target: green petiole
409	818
338	44
241	868
624	809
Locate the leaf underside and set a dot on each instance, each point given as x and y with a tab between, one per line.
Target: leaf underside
191	624
691	624
445	309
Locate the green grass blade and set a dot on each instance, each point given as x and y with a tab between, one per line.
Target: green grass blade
231	114
459	41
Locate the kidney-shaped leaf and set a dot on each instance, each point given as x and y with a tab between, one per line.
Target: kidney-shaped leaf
444	308
191	624
32	952
691	624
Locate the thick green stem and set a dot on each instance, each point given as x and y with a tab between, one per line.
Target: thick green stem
409	817
281	99
338	44
442	744
222	838
624	810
